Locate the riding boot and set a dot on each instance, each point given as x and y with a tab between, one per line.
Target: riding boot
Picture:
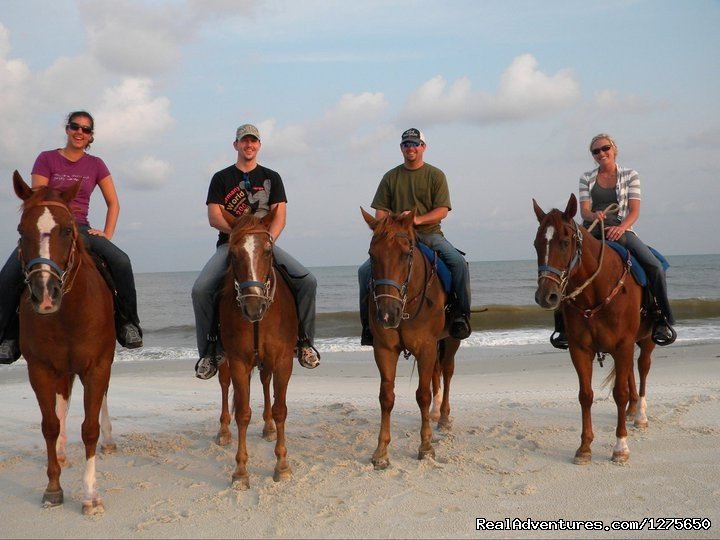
10	343
558	339
662	333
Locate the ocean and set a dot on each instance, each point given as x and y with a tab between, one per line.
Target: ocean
505	289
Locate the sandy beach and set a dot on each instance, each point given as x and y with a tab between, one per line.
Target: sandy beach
509	454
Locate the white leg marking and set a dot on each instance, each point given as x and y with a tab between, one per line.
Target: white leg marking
89	480
105	425
61	410
641	415
621	446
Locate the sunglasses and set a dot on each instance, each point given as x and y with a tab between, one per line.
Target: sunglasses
74	126
596	151
410	144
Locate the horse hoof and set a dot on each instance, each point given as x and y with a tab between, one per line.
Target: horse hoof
223	439
381	464
109	448
445	424
52	498
640	424
424	454
282	475
584	458
269	435
241	483
93	508
620	457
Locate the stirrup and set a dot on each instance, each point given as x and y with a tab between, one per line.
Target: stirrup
662	338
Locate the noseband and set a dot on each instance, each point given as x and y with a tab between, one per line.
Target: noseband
402	288
55	270
268	286
545	271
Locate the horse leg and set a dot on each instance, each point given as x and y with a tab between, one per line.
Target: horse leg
450	347
633	396
426	361
63	393
224	436
644	361
436	389
281	377
582	360
241	387
108	445
269	432
44	385
96	385
387	365
623	366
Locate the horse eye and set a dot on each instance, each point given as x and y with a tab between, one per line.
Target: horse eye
67	231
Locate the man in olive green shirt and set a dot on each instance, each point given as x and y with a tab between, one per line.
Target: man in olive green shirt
419	185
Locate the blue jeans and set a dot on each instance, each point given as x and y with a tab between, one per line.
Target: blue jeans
206	289
654	270
449	255
12	283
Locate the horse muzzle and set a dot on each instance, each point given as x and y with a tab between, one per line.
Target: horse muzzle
254	308
45	294
547	295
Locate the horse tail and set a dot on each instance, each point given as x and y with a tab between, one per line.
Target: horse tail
609	379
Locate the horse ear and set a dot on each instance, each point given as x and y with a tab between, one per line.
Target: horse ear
22	190
571	207
406	218
267	219
369	219
70	193
538	211
231	219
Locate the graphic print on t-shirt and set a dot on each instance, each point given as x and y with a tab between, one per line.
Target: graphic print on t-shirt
238	201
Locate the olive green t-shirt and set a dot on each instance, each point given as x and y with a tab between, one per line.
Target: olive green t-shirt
424	189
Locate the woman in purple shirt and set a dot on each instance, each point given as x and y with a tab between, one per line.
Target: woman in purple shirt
60	169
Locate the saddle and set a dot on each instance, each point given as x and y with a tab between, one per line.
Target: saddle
636	268
440	267
120	309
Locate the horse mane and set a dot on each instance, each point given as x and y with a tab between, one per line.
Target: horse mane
247	223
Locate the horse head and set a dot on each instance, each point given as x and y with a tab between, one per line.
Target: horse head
251	262
558	244
48	242
391	258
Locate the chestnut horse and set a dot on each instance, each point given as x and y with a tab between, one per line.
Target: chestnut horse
602	308
258	327
66	329
407	313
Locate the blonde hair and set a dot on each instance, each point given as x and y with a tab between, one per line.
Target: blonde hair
603	136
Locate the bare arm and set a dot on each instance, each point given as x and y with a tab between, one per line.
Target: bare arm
278	223
216	219
436	215
107	188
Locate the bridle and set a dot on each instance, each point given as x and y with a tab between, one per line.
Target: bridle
54	269
561	277
401	288
268	285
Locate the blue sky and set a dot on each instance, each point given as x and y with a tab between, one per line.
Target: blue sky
508	94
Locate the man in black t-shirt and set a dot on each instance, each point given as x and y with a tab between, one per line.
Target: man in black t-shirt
248	188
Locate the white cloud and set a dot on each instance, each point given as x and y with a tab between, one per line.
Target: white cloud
523	92
129	114
611	101
148	173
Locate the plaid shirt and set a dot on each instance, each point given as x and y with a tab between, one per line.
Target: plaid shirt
626	188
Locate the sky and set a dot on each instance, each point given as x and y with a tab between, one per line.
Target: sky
508	94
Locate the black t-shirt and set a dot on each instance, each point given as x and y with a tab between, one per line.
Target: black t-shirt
245	193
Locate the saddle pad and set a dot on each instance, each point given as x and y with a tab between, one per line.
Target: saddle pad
442	269
636	268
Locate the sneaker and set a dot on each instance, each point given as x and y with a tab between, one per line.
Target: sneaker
460	327
559	340
308	356
130	336
366	337
9	351
663	334
207	367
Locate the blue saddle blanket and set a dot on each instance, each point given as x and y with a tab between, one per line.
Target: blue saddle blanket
443	271
635	267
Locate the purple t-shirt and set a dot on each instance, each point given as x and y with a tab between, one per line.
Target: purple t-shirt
63	173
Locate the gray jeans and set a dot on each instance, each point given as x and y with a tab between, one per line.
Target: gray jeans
207	286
